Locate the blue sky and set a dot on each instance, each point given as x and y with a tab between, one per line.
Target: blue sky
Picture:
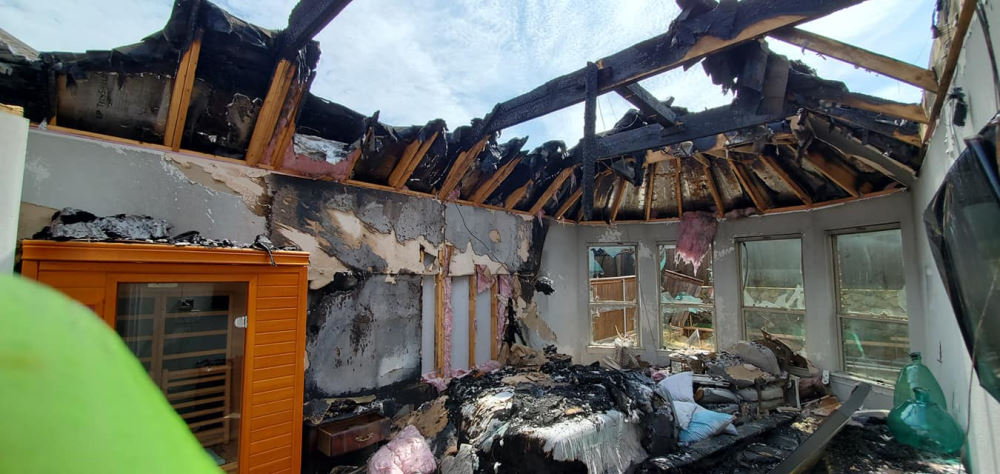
455	59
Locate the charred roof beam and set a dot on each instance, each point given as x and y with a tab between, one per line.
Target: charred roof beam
307	19
691	38
652	110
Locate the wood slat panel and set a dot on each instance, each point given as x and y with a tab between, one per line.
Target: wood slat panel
276	325
265	385
274	291
260	422
73	279
274	349
274	372
272	443
274	337
272	467
277	279
263	362
270	408
276	456
276	314
277	302
280	394
270	432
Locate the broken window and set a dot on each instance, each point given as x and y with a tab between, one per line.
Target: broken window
772	291
687	300
871	303
614	294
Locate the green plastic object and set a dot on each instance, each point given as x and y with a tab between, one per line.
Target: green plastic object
925	425
917	375
73	398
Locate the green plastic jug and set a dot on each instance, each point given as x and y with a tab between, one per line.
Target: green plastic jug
917	375
923	424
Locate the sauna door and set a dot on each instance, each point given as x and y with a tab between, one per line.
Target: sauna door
190	337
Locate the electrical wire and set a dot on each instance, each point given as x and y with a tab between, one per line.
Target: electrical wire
458	208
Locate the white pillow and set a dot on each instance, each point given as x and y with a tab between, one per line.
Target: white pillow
684	412
679	386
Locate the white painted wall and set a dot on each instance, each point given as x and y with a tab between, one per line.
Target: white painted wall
941	341
13	143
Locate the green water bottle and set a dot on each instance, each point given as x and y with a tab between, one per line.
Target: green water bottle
917	375
923	424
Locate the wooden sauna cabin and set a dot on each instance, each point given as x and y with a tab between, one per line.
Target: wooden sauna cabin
220	330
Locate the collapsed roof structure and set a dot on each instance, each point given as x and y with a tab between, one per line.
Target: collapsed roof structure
210	83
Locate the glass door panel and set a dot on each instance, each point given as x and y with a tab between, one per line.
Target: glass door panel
190	338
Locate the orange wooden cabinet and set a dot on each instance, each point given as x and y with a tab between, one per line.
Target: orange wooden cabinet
221	331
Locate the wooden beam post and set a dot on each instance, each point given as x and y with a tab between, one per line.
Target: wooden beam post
180	95
494	182
472	321
650	182
557	183
494	320
267	116
458	169
772	163
589	158
841	174
412	155
884	65
651	108
444	257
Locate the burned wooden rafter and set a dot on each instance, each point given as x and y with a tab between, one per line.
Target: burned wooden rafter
677	187
498	177
900	130
783	175
180	95
515	197
690	38
825	132
713	188
962	23
458	169
616	204
884	65
588	159
551	189
568	203
307	19
287	133
911	112
408	162
841	174
757	195
267	116
650	181
651	108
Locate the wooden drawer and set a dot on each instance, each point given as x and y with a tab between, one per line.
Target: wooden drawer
344	436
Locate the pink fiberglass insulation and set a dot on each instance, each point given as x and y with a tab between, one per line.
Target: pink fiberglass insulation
484	279
407	453
695	238
448	315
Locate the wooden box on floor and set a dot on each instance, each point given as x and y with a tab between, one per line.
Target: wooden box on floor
220	330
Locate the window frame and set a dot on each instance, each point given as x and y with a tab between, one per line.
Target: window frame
840	316
660	304
738	243
613	304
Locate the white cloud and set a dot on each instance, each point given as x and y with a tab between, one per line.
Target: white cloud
455	59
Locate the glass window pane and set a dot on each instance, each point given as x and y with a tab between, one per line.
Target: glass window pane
772	274
870	273
687	326
789	327
187	337
612	274
610	322
875	349
683	282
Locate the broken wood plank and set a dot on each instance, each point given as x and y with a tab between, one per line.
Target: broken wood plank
756	194
308	18
704	449
589	155
551	190
677	187
516	196
287	134
413	154
267	116
652	109
617	203
848	145
650	181
772	163
841	174
884	65
748	20
494	182
568	203
180	95
950	63
444	258
812	449
458	169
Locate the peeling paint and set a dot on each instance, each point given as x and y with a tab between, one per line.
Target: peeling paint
322	266
244	181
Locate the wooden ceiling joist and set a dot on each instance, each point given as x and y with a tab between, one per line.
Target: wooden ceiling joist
516	196
651	108
308	18
180	95
494	181
911	112
823	131
835	171
884	65
756	194
551	190
458	169
749	19
786	178
287	133
267	116
617	203
568	203
410	159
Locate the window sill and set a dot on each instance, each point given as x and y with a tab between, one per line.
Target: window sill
849	378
